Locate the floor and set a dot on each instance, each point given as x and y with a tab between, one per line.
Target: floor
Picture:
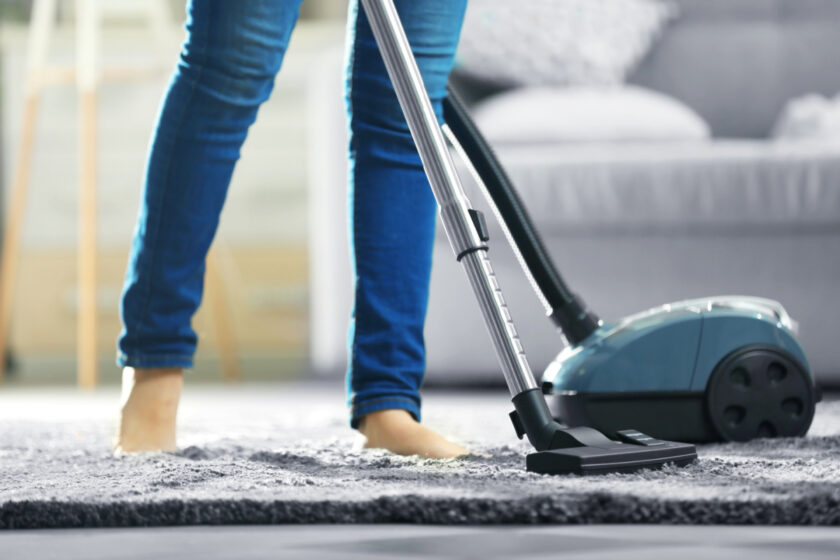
602	542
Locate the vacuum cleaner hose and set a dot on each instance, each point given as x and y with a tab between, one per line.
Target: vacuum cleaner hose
566	309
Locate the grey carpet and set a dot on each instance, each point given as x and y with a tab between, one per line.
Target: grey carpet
275	454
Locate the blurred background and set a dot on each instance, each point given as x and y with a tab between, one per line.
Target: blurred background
668	150
262	244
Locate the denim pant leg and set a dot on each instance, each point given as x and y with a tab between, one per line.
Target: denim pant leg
226	70
393	210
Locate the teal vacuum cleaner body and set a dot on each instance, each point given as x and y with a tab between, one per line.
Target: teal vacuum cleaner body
720	368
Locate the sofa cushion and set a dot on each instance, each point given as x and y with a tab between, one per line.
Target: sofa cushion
733	185
587	114
737	62
558	41
809	118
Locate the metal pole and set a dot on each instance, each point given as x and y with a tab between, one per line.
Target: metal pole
458	221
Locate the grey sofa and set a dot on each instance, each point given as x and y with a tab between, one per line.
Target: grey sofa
646	224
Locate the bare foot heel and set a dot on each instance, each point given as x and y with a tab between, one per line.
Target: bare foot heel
148	409
397	431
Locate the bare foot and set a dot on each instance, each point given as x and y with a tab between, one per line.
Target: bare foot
148	408
397	431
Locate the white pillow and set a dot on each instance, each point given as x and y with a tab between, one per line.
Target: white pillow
810	117
558	42
587	114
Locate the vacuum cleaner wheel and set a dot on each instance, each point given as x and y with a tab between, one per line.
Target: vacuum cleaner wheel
758	392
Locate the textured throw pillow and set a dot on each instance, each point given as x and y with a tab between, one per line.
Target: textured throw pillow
810	117
587	114
558	42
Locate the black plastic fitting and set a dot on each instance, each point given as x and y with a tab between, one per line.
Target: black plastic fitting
534	419
576	321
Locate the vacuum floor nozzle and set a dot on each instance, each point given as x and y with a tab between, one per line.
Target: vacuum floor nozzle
602	455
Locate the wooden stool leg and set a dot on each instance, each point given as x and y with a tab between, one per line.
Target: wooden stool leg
87	355
40	29
215	295
87	33
14	224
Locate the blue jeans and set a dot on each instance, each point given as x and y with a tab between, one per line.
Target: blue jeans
226	70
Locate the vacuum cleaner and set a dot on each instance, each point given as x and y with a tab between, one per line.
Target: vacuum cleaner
559	449
726	368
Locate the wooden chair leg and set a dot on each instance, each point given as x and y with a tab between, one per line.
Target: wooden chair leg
87	256
14	222
216	297
87	36
40	31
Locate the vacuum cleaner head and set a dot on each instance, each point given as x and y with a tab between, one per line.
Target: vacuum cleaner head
585	450
600	455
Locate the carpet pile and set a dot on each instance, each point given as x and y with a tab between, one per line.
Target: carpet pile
275	454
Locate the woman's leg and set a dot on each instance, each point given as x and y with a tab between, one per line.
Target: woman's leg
226	70
393	214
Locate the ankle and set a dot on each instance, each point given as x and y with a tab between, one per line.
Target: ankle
379	420
142	374
151	384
